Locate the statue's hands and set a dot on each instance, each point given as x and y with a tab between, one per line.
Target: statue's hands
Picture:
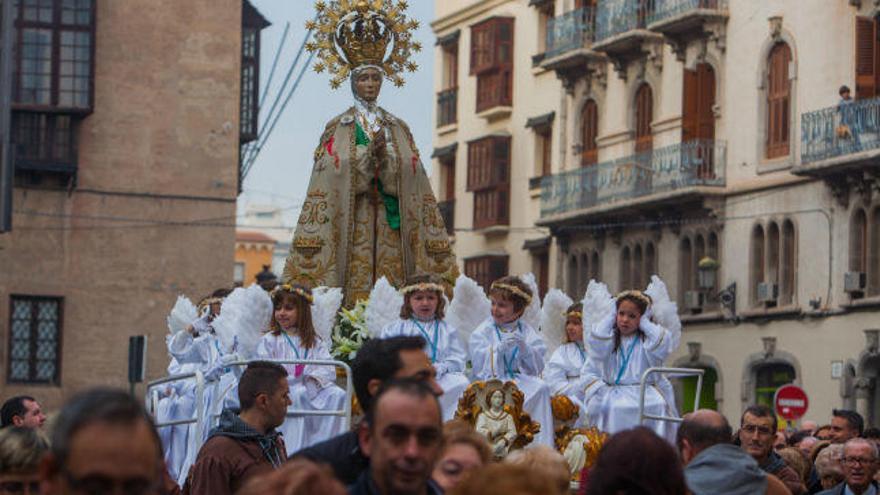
378	144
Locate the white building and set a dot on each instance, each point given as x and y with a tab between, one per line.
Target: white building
631	137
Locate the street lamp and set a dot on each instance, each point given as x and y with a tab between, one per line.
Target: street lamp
707	277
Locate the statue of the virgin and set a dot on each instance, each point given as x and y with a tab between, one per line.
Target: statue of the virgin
369	211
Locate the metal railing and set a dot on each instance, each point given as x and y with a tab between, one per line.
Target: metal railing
698	162
678	372
840	130
569	31
618	16
659	10
447	107
152	404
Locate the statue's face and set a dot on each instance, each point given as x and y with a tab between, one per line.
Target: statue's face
497	399
368	84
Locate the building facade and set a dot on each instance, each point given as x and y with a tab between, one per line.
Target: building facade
701	140
127	122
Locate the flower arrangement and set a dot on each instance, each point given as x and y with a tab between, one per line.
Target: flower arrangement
350	332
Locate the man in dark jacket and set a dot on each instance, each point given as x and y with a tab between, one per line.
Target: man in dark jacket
378	361
756	434
402	434
246	444
713	465
859	467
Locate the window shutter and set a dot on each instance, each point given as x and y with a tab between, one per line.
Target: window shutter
590	122
866	53
690	99
644	116
705	102
778	100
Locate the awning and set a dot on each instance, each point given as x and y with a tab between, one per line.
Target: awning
449	38
538	244
445	151
540	121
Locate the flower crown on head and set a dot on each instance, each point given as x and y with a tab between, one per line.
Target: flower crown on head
513	290
293	290
635	294
409	289
573	314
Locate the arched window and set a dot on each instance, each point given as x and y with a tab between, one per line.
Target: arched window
778	101
626	281
858	242
595	270
874	256
788	264
590	123
707	395
757	260
572	276
768	378
773	253
638	273
686	264
644	115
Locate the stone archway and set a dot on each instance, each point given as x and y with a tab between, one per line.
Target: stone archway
767	370
712	396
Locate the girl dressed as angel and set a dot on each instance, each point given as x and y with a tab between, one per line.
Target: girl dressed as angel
506	347
422	314
563	372
621	347
292	335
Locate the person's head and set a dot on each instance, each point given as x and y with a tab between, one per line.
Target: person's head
757	431
510	297
402	435
366	82
819	447
423	298
23	411
464	450
297	477
809	425
636	461
796	460
102	442
780	441
506	479
631	305
21	450
212	304
844	92
700	430
545	462
574	323
379	360
845	425
496	399
263	393
805	445
293	312
829	465
823	432
859	462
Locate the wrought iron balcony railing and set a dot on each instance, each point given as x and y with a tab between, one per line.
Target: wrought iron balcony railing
619	16
447	107
569	31
693	163
840	130
660	10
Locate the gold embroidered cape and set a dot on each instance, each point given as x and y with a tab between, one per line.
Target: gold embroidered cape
343	237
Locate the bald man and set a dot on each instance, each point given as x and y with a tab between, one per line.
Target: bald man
714	465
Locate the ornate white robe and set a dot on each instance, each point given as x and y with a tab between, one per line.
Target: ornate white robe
444	348
563	374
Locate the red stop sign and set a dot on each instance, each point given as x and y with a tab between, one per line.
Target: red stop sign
791	402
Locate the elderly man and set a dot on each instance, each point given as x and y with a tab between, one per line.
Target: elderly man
402	435
103	442
23	411
714	465
859	468
846	425
756	434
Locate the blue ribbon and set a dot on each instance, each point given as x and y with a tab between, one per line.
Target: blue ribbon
433	343
580	349
295	351
508	364
626	357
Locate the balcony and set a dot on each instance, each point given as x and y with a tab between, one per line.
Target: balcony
621	28
447	211
684	20
569	37
658	176
447	107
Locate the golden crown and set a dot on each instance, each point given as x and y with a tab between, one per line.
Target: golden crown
353	33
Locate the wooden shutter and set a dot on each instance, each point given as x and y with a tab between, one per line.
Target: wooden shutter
449	167
482	52
479	158
489	180
690	106
644	116
590	122
866	57
778	101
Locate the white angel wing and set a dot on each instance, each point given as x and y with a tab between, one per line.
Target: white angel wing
665	310
324	310
383	306
182	315
532	314
598	304
244	316
469	307
553	318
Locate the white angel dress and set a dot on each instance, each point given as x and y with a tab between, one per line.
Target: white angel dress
444	348
312	388
515	352
563	375
179	404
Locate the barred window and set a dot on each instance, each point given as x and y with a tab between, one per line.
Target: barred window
34	340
